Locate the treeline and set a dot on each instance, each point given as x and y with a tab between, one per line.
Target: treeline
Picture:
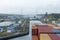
53	16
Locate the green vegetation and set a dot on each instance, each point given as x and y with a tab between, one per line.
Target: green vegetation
1	20
51	17
24	25
5	34
22	31
26	22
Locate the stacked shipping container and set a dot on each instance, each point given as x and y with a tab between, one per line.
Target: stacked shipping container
44	32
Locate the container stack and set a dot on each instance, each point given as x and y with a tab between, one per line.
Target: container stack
45	32
34	33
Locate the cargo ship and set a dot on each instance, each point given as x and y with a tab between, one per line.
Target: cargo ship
45	32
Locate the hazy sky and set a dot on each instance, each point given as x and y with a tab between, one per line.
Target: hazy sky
29	6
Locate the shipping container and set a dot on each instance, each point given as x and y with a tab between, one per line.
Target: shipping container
34	37
34	30
54	36
46	32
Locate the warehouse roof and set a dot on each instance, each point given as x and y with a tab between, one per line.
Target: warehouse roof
5	23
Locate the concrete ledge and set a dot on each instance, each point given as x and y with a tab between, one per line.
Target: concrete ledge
14	36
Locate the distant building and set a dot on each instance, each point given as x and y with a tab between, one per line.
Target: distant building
1	29
4	25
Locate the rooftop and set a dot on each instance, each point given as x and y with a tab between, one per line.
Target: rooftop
5	23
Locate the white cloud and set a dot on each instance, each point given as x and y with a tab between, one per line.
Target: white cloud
15	6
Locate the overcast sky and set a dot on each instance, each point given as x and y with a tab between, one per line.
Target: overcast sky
29	6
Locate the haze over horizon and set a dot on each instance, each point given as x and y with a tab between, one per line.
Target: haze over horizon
29	6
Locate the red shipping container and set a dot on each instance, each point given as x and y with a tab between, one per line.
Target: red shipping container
42	29
34	37
54	37
34	31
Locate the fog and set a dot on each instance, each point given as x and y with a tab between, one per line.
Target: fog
29	6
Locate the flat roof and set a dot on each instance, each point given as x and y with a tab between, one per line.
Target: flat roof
5	23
